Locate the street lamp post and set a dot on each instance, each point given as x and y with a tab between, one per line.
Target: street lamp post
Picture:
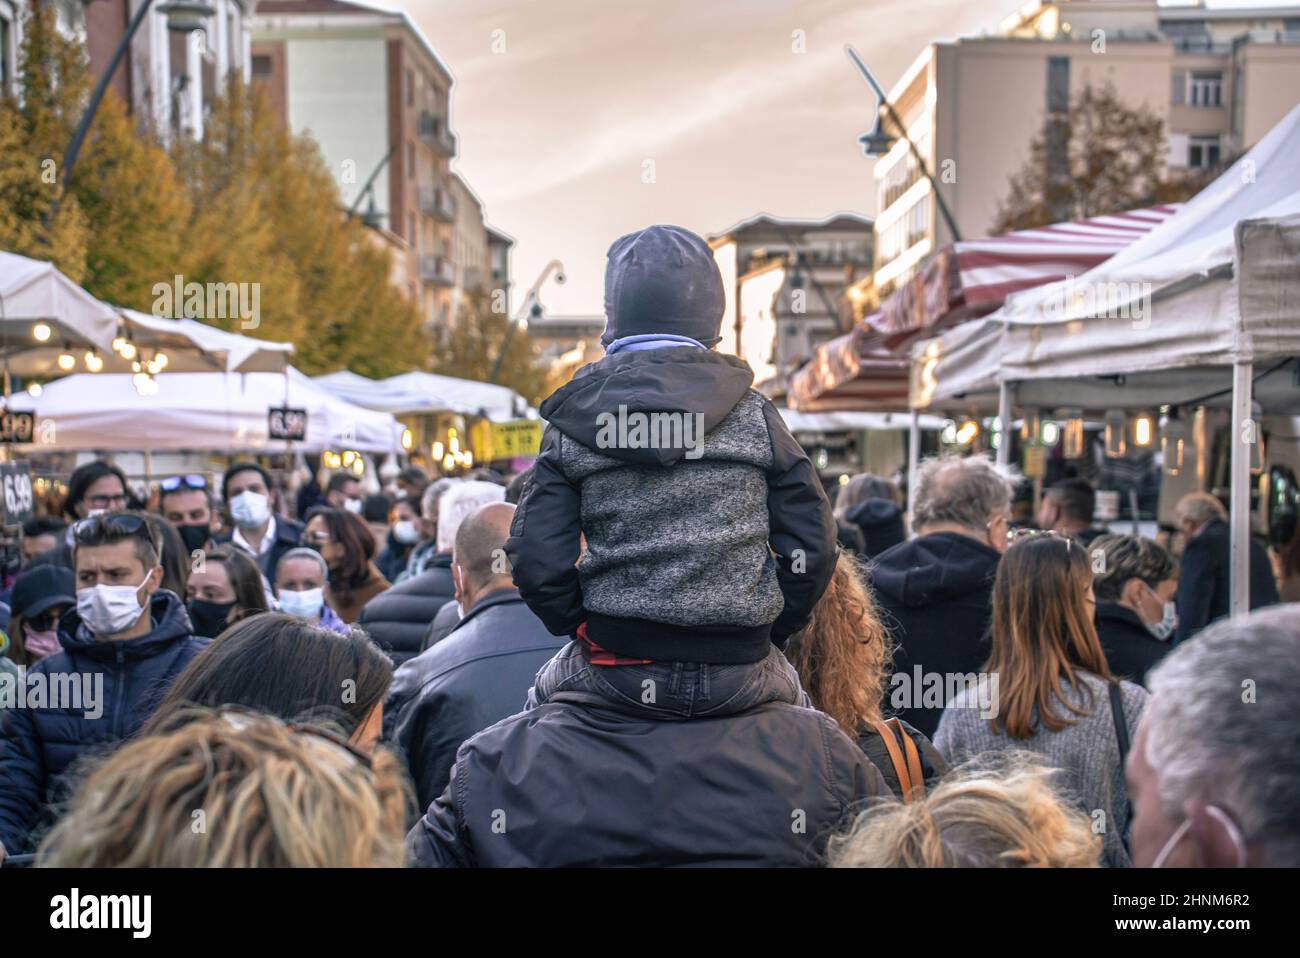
878	143
530	305
183	16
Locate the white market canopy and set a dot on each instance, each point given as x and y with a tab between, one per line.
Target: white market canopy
849	421
193	346
33	292
217	412
1162	321
419	392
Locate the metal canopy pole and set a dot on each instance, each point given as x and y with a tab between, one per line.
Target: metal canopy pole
913	462
1243	441
1004	421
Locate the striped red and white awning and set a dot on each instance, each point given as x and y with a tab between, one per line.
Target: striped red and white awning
962	281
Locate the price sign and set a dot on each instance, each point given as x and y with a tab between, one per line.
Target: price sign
507	440
17	426
18	498
285	423
1035	464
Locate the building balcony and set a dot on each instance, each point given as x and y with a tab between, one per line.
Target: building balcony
437	202
433	131
437	270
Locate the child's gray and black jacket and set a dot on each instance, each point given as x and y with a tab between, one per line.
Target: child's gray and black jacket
694	553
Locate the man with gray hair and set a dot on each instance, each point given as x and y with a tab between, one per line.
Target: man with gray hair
935	591
1215	766
1204	587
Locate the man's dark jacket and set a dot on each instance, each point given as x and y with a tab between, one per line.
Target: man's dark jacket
1203	579
935	593
37	745
1130	649
398	618
661	765
479	674
288	535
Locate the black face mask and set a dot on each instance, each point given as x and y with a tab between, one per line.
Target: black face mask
209	618
194	535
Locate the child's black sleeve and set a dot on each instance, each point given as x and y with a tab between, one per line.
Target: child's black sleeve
543	547
801	528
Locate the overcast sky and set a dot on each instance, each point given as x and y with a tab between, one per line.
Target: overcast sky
559	105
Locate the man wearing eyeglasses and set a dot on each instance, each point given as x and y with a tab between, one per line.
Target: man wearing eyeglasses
93	488
122	647
186	503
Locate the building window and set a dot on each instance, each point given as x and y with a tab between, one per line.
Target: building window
410	160
262	66
1058	84
1205	89
1203	152
410	87
6	64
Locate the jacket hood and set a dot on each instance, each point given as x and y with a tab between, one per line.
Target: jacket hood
171	623
934	568
663	279
874	512
683	380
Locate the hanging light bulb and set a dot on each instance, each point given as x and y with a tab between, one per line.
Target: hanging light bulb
1144	432
1175	438
448	463
967	432
67	361
118	343
437	450
128	350
41	332
469	459
34	389
1051	433
1074	442
141	383
408	439
94	363
1115	442
162	361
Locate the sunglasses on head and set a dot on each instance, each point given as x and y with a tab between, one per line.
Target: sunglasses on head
89	531
192	481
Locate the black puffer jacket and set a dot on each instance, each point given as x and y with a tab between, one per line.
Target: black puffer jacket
37	745
479	674
397	618
935	593
657	765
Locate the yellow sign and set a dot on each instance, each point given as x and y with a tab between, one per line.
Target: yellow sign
506	440
1035	462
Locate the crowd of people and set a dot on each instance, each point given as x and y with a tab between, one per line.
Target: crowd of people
640	654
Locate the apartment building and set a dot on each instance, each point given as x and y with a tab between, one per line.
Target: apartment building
368	86
176	64
784	280
1219	78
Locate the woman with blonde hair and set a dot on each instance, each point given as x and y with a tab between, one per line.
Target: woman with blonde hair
235	788
1052	692
979	817
843	656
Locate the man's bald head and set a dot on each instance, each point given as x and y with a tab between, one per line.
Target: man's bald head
480	548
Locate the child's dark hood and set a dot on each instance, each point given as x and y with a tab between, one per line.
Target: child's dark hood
679	379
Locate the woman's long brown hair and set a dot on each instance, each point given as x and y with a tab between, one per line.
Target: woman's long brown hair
843	653
1043	632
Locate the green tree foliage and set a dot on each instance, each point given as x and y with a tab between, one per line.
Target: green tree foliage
1103	157
475	342
52	79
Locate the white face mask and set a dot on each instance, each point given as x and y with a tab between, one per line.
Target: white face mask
301	605
1163	629
353	506
250	509
109	609
405	532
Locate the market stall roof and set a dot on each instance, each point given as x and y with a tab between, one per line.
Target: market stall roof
420	392
218	412
34	291
963	281
1217	284
850	421
198	347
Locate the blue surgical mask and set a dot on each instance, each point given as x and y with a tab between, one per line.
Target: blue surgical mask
1163	629
302	605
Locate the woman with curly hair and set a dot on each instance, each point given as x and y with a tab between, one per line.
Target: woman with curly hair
843	657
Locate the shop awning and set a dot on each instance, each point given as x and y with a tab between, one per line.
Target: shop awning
963	281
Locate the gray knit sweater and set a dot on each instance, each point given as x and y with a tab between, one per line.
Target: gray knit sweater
1087	751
